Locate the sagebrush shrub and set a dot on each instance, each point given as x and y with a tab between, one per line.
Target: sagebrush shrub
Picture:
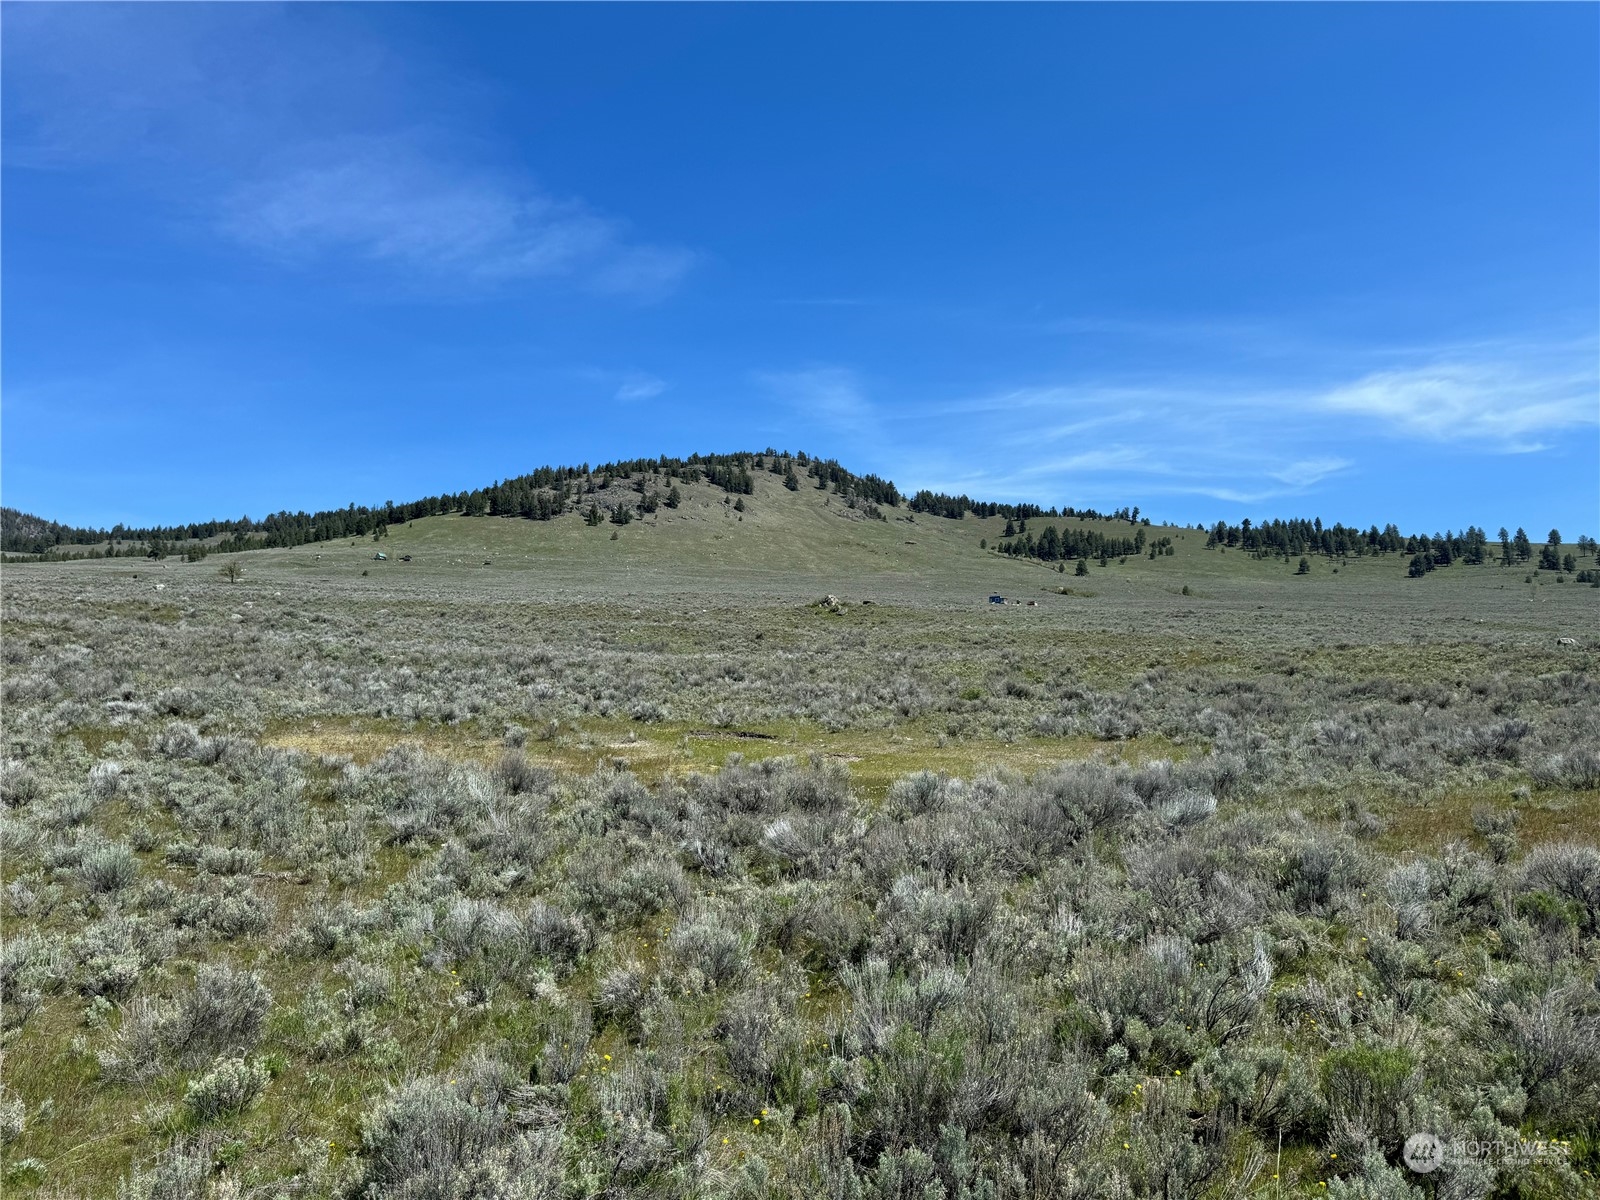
227	860
183	1171
223	1012
644	882
924	922
709	953
177	740
106	779
230	1087
1367	1089
518	775
551	933
1577	768
1553	1036
331	930
484	943
436	1138
13	1119
113	953
136	1052
18	784
1570	870
107	868
1317	871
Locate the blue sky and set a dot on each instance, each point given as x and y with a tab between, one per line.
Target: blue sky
1216	261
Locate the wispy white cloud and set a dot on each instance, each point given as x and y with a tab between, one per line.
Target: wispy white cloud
1101	459
1084	402
1108	439
1307	471
640	387
1501	405
306	139
390	203
832	395
1232	495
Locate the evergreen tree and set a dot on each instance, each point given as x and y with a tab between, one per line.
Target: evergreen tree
1550	552
1523	545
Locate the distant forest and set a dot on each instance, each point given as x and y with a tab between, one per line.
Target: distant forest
551	492
1286	539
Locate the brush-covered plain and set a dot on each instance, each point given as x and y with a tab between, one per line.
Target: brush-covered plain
574	859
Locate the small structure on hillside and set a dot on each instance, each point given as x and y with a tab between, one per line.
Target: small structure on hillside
997	599
380	556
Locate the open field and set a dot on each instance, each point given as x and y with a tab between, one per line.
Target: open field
558	863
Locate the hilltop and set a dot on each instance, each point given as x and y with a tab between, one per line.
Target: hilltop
771	510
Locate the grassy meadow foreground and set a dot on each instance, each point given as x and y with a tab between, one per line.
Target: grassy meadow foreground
574	859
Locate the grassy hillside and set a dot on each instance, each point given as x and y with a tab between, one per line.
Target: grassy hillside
786	545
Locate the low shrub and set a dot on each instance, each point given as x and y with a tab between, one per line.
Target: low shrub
108	868
223	1012
230	1087
457	1137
